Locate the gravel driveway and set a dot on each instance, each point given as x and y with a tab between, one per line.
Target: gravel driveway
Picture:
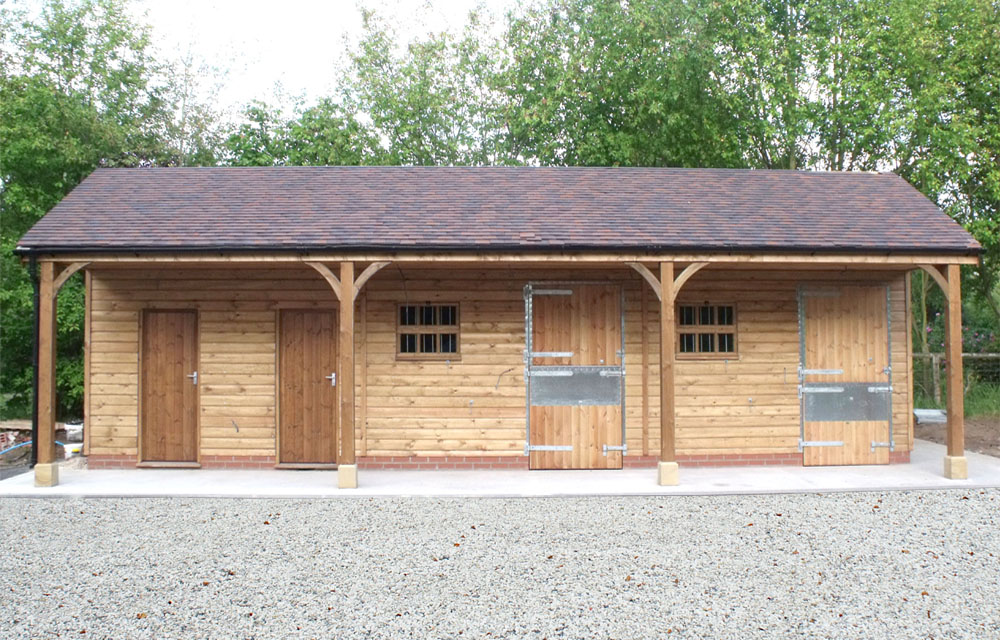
858	565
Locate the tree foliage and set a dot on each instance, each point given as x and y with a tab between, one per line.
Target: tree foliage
324	134
601	82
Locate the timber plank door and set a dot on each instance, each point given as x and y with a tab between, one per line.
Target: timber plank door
846	378
575	376
169	382
307	357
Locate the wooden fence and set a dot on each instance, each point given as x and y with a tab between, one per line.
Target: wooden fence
928	369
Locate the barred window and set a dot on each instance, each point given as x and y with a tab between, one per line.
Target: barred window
706	329
427	331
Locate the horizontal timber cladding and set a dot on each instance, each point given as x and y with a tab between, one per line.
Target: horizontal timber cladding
750	404
474	404
237	318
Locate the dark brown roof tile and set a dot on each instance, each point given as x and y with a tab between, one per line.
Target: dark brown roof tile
484	208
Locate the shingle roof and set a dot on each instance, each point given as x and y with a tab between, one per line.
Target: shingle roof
493	208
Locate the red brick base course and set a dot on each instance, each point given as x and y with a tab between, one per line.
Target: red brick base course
720	460
207	462
110	462
483	462
442	462
237	462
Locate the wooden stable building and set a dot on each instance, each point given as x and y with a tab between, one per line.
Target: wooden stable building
563	318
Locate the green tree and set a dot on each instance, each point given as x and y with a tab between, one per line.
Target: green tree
430	104
601	82
195	131
944	68
260	140
326	134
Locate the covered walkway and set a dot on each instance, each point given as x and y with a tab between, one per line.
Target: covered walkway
922	473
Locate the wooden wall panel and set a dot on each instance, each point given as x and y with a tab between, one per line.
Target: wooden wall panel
750	404
237	311
474	404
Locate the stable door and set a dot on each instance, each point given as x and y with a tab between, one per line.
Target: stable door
575	372
846	378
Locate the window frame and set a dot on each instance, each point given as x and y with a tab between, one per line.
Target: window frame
436	329
714	329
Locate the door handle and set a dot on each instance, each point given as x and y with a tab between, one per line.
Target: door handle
194	378
333	379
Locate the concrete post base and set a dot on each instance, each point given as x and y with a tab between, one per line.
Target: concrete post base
347	476
667	474
46	474
956	468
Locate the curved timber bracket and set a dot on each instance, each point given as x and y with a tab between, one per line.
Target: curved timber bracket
335	283
939	278
686	275
648	276
678	282
328	275
366	275
65	274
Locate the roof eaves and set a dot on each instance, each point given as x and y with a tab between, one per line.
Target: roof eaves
512	248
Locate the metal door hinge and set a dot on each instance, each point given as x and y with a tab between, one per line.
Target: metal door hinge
821	372
552	354
820	443
551	292
623	448
547	447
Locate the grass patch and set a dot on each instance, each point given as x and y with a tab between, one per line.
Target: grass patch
981	399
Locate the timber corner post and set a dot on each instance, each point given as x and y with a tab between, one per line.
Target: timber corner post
46	469
956	467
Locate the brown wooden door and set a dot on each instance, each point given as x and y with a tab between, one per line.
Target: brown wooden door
587	323
846	329
169	420
308	398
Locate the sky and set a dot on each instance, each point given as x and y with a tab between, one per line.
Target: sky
282	49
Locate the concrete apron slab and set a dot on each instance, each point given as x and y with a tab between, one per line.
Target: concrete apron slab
925	471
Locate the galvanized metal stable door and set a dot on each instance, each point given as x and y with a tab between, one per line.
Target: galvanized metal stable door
575	375
845	375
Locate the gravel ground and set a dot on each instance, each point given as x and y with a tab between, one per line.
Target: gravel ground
857	565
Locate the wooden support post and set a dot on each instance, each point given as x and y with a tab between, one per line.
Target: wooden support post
644	317
667	466
955	464
46	470
347	466
936	376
